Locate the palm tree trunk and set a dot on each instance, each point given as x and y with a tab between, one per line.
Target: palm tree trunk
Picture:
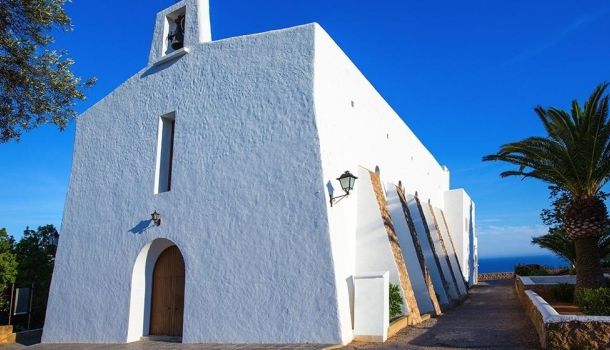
588	267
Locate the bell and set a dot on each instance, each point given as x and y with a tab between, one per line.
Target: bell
177	36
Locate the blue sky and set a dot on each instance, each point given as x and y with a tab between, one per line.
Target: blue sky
465	76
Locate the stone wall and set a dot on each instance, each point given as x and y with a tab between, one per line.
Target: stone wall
496	276
563	331
577	335
534	315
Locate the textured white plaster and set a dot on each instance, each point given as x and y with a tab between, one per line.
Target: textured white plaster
372	314
369	134
416	275
357	127
247	206
460	215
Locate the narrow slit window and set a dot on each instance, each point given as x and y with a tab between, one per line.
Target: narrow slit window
165	153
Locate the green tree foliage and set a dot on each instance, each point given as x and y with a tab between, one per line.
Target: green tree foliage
8	266
573	156
36	254
395	301
36	83
595	302
36	257
557	240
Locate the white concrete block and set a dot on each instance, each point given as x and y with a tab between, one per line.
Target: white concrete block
371	306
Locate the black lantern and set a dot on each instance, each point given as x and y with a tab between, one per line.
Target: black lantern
176	38
156	218
347	181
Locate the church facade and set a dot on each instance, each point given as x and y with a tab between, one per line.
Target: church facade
199	203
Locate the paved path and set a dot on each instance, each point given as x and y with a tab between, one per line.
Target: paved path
491	318
156	345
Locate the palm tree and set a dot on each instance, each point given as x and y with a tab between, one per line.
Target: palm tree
561	245
574	156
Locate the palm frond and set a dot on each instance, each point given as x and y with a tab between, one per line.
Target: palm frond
575	152
558	243
561	245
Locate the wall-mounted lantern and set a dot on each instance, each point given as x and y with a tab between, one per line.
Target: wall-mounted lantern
347	181
156	218
176	37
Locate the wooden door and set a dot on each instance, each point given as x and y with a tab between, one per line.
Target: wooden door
167	301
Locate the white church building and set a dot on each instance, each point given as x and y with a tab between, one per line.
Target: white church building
235	147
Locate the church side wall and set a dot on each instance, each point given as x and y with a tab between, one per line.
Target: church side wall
246	206
368	132
357	127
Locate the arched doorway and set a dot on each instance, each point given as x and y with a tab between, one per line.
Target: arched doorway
167	301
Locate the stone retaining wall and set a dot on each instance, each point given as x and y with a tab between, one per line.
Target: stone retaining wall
496	276
557	331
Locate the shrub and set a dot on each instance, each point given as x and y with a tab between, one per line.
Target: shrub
563	293
541	272
531	270
594	301
395	301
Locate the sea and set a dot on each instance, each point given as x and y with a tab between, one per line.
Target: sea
508	263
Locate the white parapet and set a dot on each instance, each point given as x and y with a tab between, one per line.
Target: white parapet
371	306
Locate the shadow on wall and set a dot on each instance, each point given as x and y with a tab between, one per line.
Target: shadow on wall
157	68
350	291
330	188
141	227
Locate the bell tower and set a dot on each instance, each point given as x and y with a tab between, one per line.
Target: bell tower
178	28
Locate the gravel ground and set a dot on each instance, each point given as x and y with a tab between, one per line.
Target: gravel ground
491	318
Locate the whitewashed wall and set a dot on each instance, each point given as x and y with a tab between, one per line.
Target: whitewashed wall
247	206
368	132
357	127
460	214
264	124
